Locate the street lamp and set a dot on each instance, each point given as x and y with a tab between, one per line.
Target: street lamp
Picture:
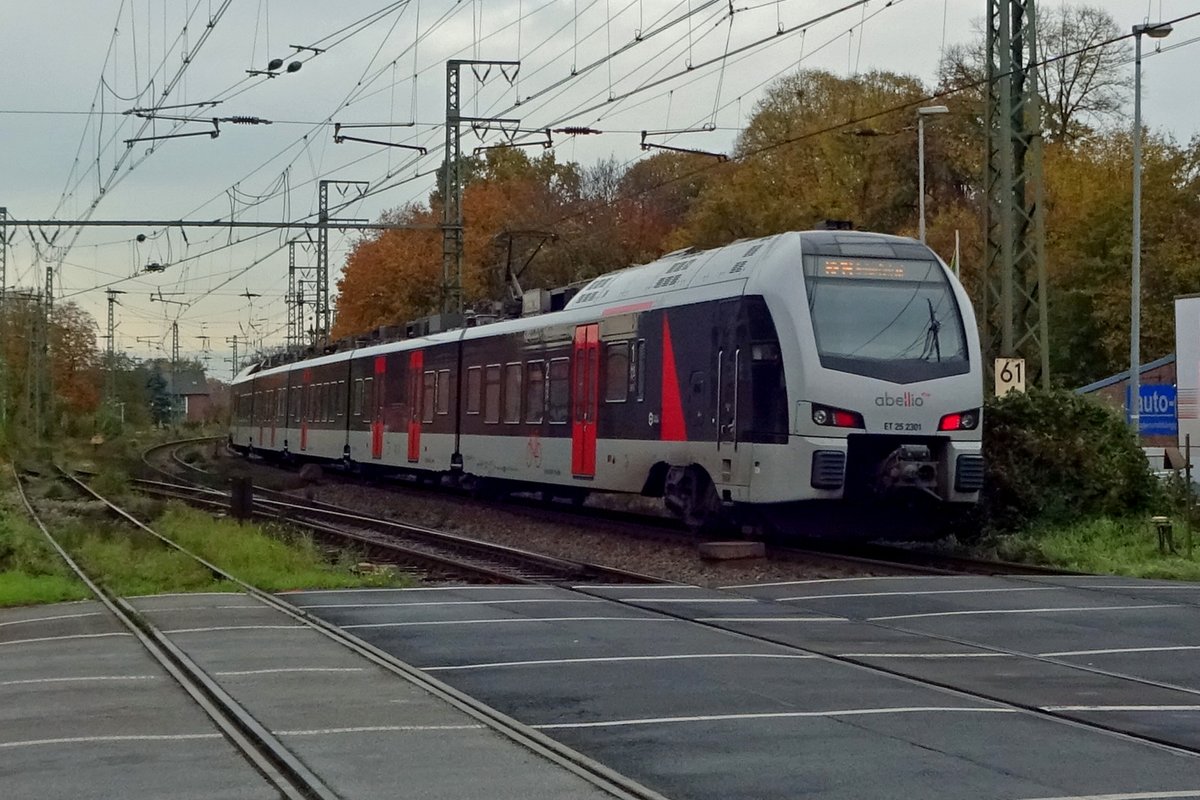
1157	31
922	113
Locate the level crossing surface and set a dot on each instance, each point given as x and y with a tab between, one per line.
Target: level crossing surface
85	712
946	686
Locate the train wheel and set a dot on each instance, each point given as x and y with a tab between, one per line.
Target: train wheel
690	495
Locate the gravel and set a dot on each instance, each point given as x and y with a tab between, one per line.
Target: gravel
597	541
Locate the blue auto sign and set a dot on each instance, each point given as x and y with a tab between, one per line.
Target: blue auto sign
1157	410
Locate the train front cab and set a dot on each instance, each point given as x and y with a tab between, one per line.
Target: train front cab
885	371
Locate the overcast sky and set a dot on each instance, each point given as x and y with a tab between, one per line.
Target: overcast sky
73	67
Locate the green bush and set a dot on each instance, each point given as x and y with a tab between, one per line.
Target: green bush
1055	458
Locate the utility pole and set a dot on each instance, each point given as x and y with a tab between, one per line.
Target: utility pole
1015	319
234	341
110	364
321	317
46	404
174	368
4	332
452	218
293	340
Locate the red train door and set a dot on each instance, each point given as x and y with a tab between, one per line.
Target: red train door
585	399
416	381
377	411
305	408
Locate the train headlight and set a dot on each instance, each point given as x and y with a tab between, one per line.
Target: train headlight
960	421
836	417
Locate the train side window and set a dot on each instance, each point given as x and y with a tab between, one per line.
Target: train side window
443	391
491	393
616	372
428	395
310	392
340	404
560	390
512	393
368	399
535	391
358	397
474	389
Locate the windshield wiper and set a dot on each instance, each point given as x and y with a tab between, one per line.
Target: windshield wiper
933	345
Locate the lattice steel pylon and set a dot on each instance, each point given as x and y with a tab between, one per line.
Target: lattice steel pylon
1014	312
452	188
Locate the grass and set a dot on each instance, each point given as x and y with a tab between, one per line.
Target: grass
130	562
266	557
30	571
1108	546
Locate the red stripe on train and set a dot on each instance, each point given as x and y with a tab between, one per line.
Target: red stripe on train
672	427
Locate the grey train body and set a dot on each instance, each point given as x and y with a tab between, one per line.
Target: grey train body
823	367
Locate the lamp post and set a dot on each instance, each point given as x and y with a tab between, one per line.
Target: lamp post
1157	31
922	113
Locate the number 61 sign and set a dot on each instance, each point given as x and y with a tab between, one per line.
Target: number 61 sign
1010	375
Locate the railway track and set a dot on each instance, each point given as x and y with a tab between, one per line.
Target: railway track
275	761
441	553
872	557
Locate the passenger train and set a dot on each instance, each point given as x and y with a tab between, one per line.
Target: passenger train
781	374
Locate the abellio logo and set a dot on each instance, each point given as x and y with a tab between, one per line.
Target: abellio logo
906	400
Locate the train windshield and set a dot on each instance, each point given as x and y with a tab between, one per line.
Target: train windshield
889	318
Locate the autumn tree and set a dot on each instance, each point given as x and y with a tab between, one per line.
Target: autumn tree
793	172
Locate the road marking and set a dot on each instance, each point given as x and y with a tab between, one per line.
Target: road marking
452	603
241	628
771	619
183	594
931	591
647	587
614	659
380	729
508	620
1164	795
1115	650
50	619
1121	708
830	580
82	679
169	610
146	737
65	638
847	712
928	655
234	673
1017	611
417	589
685	600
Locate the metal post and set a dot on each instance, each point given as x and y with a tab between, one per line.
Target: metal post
234	341
293	338
174	370
1014	304
1135	294
4	332
1187	493
452	223
321	312
452	189
110	353
921	172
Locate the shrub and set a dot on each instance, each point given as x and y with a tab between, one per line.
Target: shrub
1055	457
